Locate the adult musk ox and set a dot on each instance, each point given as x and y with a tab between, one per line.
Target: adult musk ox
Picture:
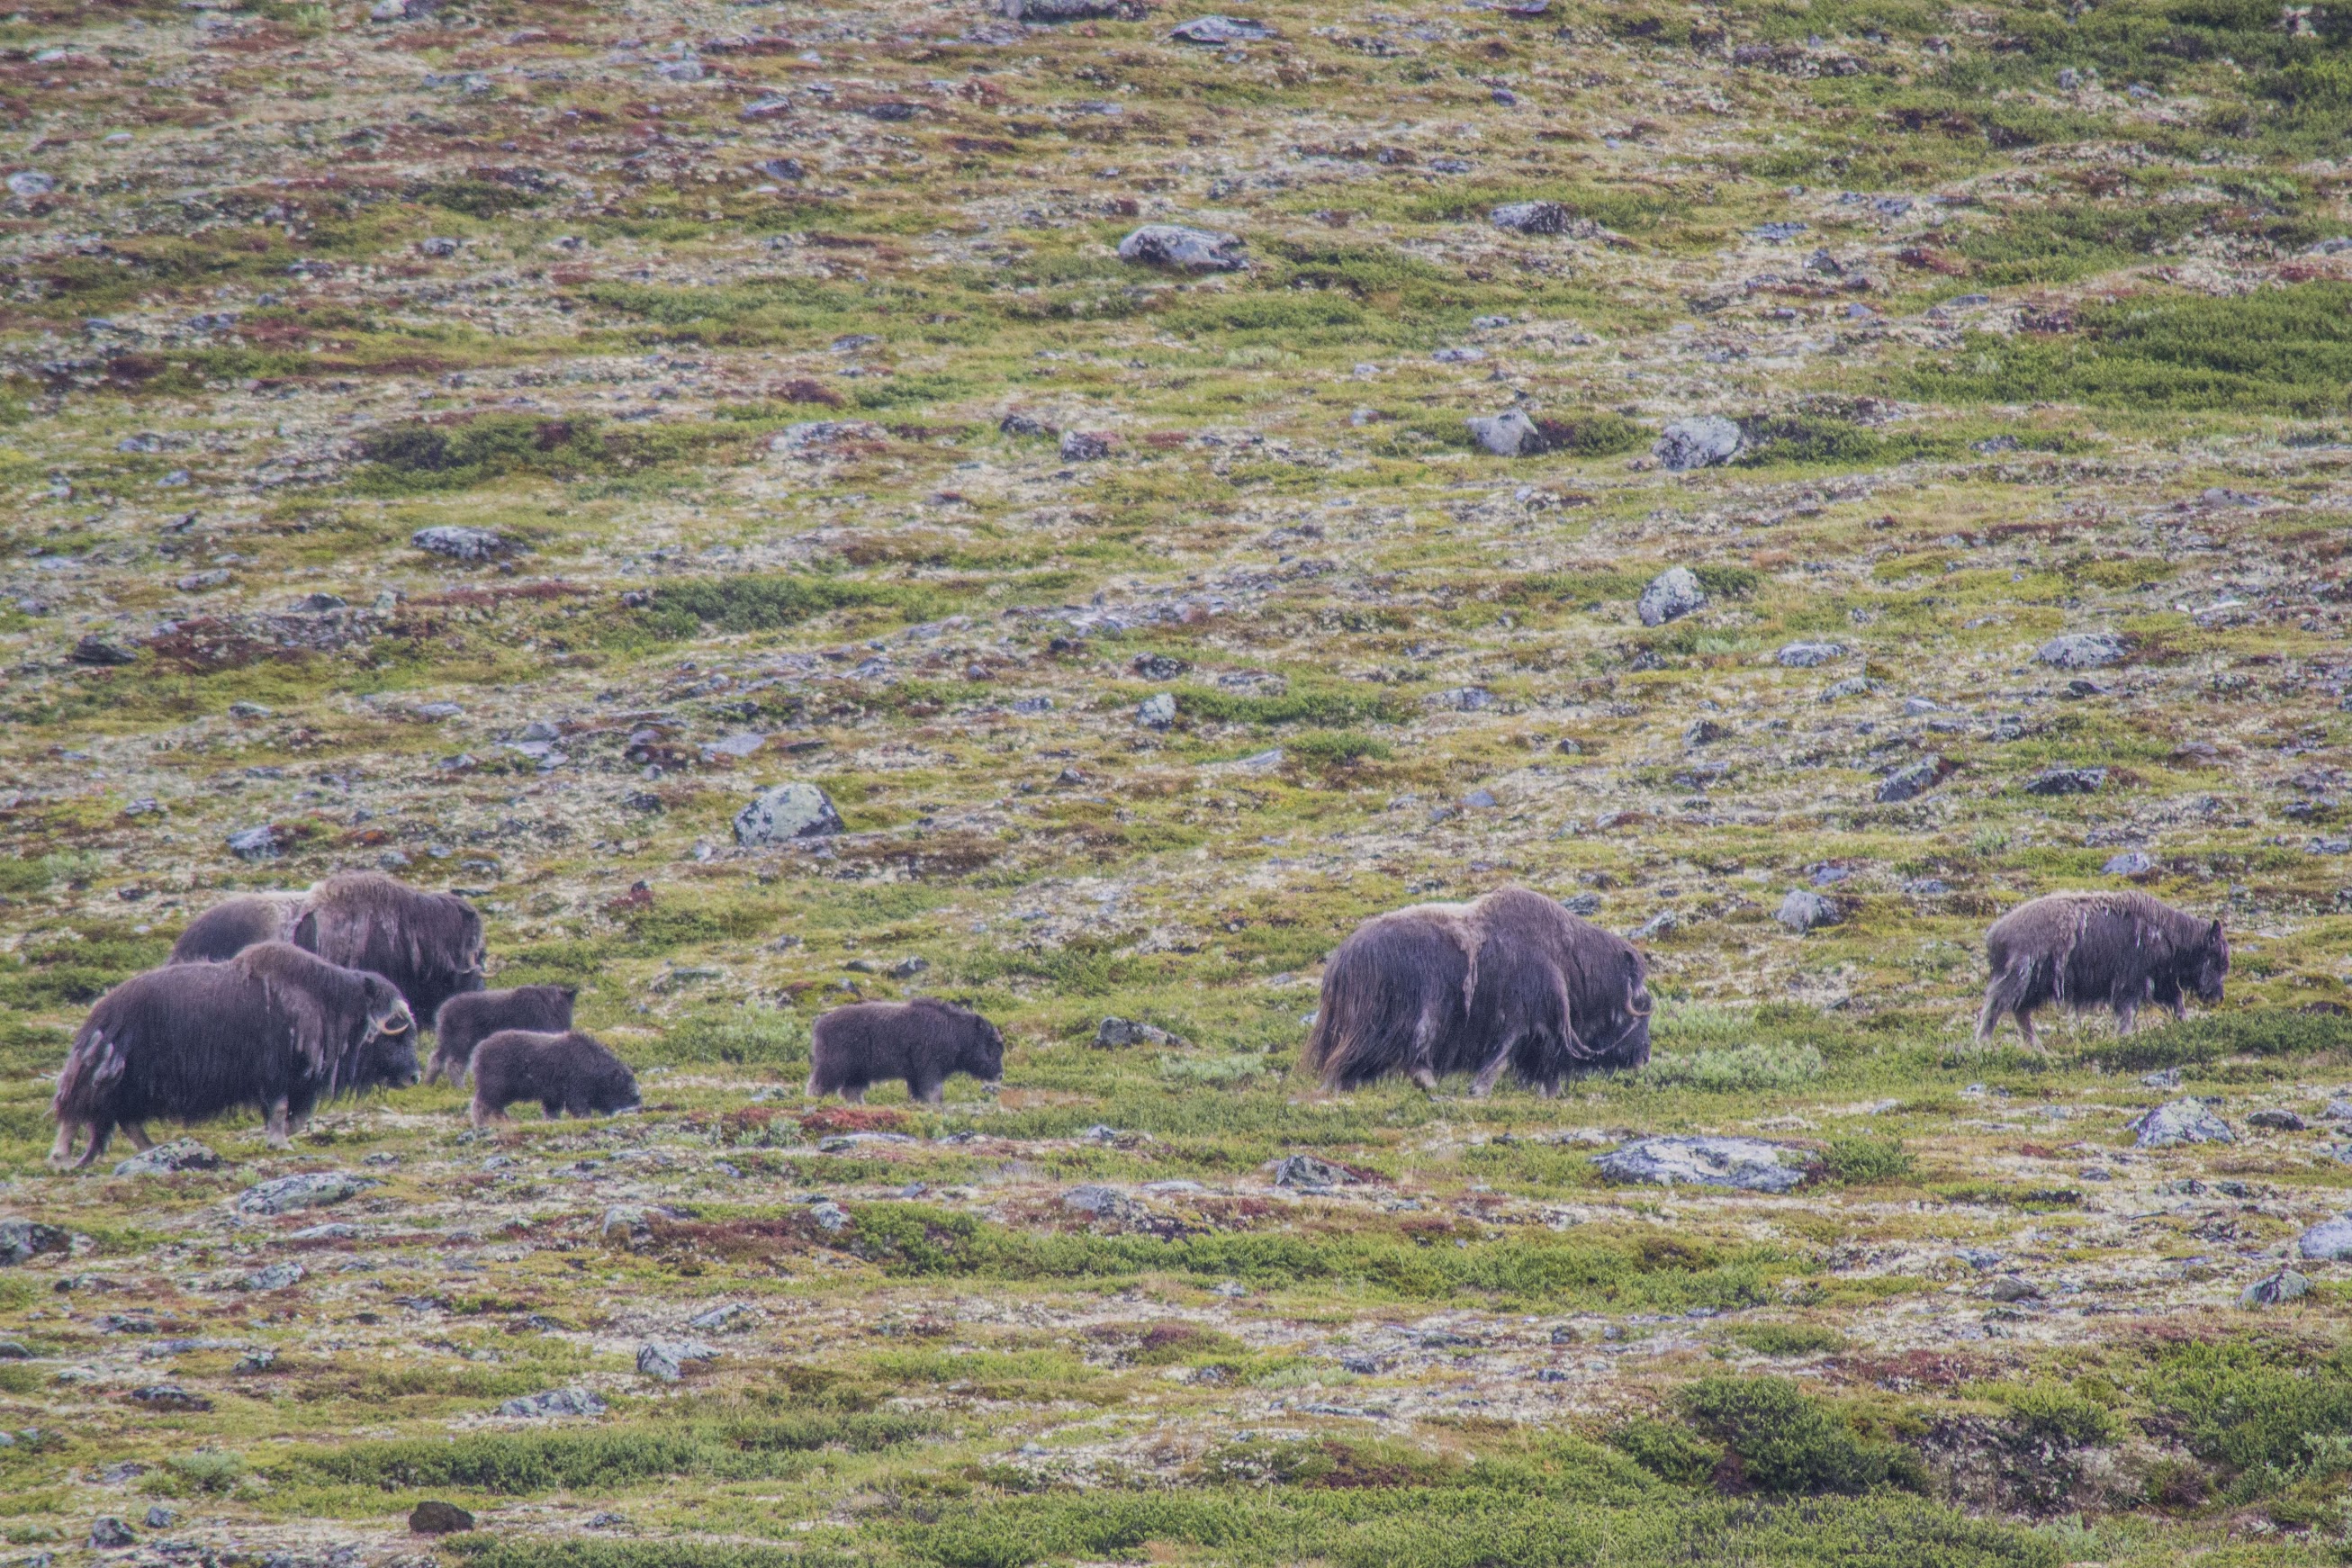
1510	980
568	1073
465	1022
274	1028
428	944
2082	950
923	1041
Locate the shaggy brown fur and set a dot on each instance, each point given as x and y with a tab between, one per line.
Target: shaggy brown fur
274	1028
2081	950
923	1041
465	1022
428	944
567	1073
1510	980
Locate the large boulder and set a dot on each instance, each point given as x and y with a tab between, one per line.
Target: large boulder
1510	434
1699	442
1188	249
2329	1241
2274	1289
2081	650
1750	1164
781	813
1804	909
2176	1122
24	1238
1911	783
1672	595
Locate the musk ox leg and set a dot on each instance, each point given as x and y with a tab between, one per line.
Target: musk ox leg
481	1113
137	1132
1484	1084
1423	1079
853	1093
61	1151
275	1128
928	1093
1989	1019
2025	1027
100	1133
2127	1017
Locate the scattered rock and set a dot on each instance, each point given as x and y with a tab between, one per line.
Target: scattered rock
1750	1164
553	1403
160	1518
2067	781
1188	249
2130	863
2276	1120
1084	446
726	1315
1699	442
667	1360
1510	434
2176	1122
169	1160
1307	1174
1102	1202
2081	650
1909	784
276	1276
1672	594
1804	909
782	813
1051	11
433	1517
97	651
1533	217
2274	1289
1221	30
457	544
1157	711
259	843
24	1238
1809	655
109	1534
306	1190
2012	1288
1114	1034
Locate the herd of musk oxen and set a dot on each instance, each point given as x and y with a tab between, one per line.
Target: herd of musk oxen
275	1002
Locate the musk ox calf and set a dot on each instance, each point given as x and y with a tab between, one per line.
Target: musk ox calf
1510	980
923	1041
465	1022
274	1028
2082	950
428	944
568	1074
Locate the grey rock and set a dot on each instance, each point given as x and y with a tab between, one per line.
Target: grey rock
2130	863
1672	594
258	843
1851	686
829	1216
2013	1287
456	543
1186	249
1809	655
2275	1121
1750	1164
1804	909
811	434
1100	1202
667	1360
1705	732
1586	904
2067	781
2081	650
31	183
276	1276
2274	1289
307	1190
1309	1173
24	1238
2339	1110
2329	1241
1510	434
1114	1034
169	1160
1699	442
784	811
2176	1122
1057	10
160	1518
97	651
1221	30
1909	784
726	1315
2167	1079
109	1534
1084	446
1157	711
250	710
1534	217
553	1403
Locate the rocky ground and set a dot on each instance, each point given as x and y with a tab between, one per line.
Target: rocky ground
1792	480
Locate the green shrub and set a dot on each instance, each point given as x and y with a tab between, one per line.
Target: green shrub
1787	1339
1788	1443
1597	435
2257	1408
1667	1449
1742	1069
2249	1032
761	604
1337	748
2057	1412
1323	708
748	1036
416	457
1862	1161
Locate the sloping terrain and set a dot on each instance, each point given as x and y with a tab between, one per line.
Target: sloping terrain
493	442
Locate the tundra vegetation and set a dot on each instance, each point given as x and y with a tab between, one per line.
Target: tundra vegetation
491	440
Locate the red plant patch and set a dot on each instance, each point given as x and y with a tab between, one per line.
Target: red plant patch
853	1118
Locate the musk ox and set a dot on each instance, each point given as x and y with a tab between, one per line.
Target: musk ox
2082	950
428	944
568	1073
465	1022
274	1028
1510	980
923	1041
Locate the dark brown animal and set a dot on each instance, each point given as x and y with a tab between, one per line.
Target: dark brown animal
1507	981
274	1028
428	944
567	1073
465	1022
2117	950
924	1042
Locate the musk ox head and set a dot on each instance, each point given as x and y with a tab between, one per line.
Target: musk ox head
1619	1035
606	1087
2207	966
387	1055
983	1051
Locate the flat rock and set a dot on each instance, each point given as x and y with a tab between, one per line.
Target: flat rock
169	1160
2081	650
784	811
276	1276
1510	434
1533	217
1050	11
2067	781
1804	909
2329	1241
258	843
1157	711
24	1238
1699	442
1221	30
1670	595
2130	863
554	1402
1113	1034
454	542
2176	1122
307	1190
1809	655
2277	1121
1186	249
1750	1164
2274	1289
667	1360
98	652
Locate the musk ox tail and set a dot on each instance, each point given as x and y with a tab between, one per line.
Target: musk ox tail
2020	985
92	1069
1395	989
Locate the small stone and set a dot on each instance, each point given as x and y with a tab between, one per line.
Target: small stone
1057	10
108	1534
160	1518
2274	1289
2081	650
1157	711
170	1396
31	183
1309	1173
1188	249
1114	1033
439	245
1909	784
784	811
1670	595
433	1517
1084	446
2277	1121
2167	1079
829	1216
2176	1122
907	968
1510	434
169	1160
97	651
1699	442
458	543
1808	654
250	710
726	1315
312	1189
276	1276
667	1360
1221	30
2013	1287
553	1403
258	843
1533	217
1804	909
1705	732
2067	781
1102	1202
2130	863
1750	1164
24	1238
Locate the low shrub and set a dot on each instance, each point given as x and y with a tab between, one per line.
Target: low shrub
1740	1069
1784	1441
1862	1161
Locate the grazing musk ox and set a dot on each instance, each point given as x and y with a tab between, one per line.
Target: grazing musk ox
2082	950
1510	980
274	1028
466	1021
923	1041
428	944
566	1072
